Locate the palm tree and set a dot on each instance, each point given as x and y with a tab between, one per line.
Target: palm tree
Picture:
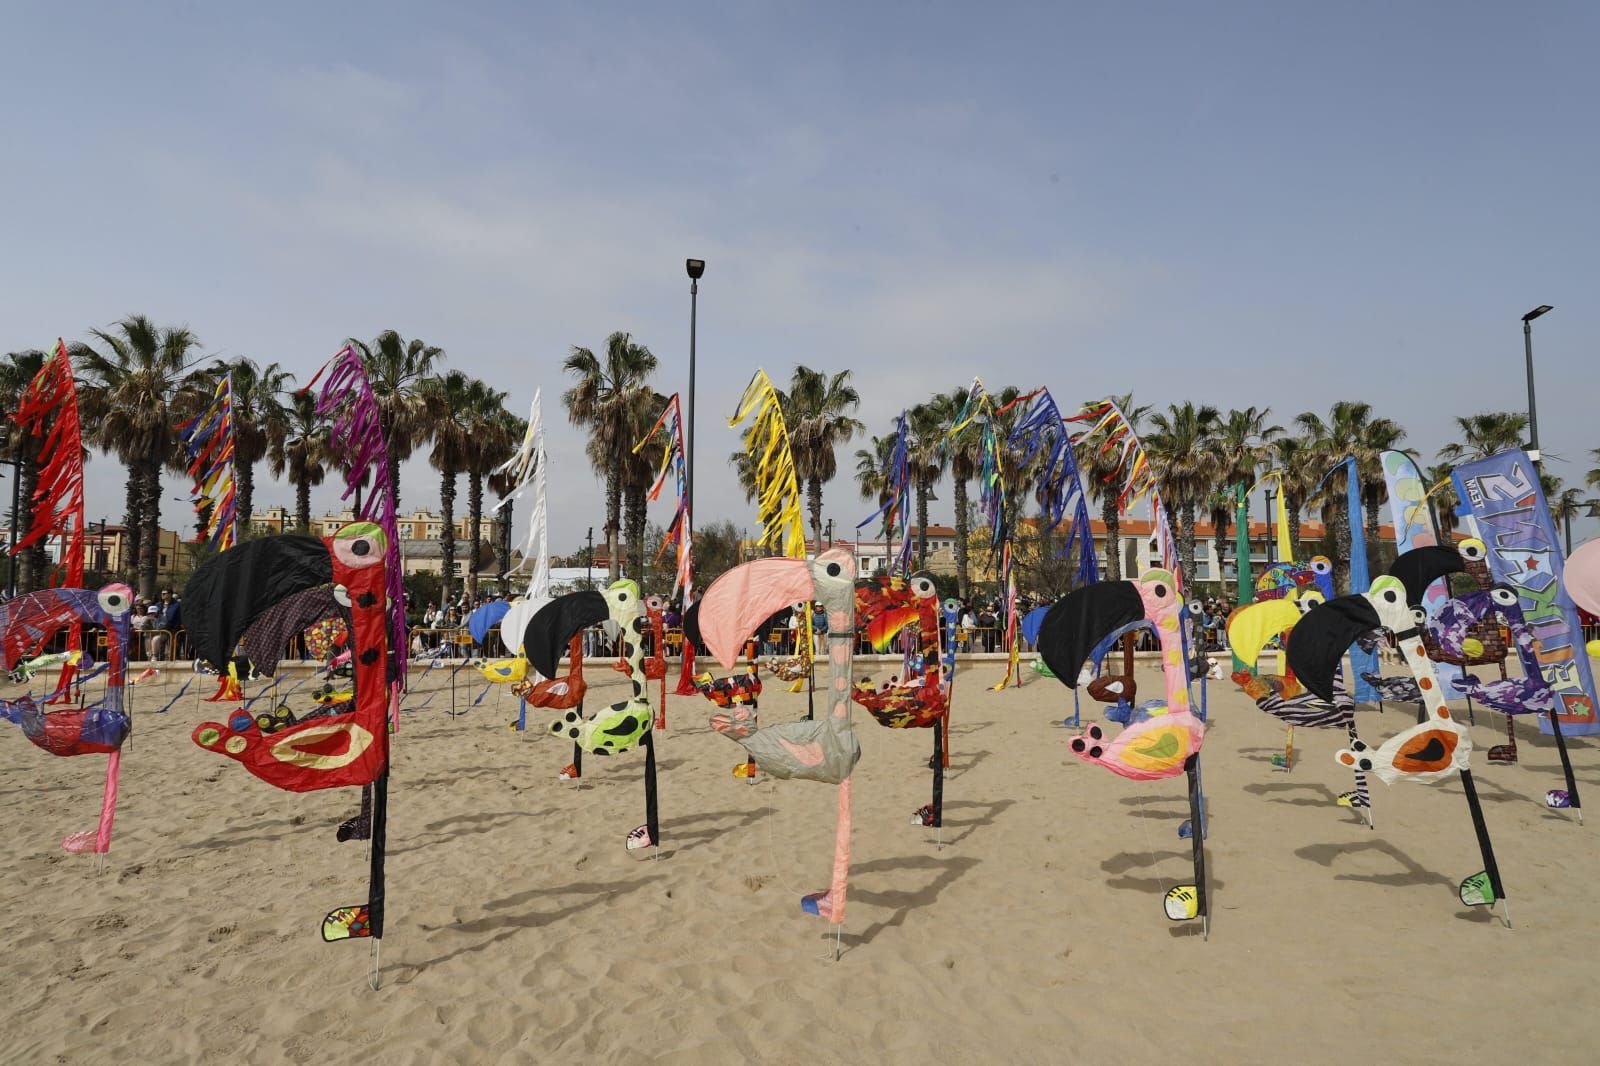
301	452
496	442
1373	439
1182	457
493	433
964	454
16	372
603	401
1345	433
1243	440
447	403
818	416
925	459
1592	478
1484	434
1442	494
1099	469
1565	503
395	369
259	419
638	474
128	395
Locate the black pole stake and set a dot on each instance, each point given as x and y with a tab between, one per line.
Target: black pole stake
651	819
1485	846
1191	767
938	776
1566	765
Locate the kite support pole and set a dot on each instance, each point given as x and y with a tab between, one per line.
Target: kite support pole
1196	816
1505	912
375	976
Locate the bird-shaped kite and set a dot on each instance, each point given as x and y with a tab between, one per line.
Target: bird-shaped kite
655	666
100	727
623	725
823	749
558	694
738	695
348	744
1428	751
1168	741
885	606
1249	629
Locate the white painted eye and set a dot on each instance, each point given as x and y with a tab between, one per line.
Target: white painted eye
1419	616
1472	549
341	595
655	603
115	600
922	587
1503	597
1321	565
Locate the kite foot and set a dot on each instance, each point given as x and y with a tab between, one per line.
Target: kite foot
736	724
569	773
149	673
1281	761
1505	753
745	770
357	828
1181	903
347	923
1558	799
924	817
639	839
1476	890
80	842
820	904
1350	799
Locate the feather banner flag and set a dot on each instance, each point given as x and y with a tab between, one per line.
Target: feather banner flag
1503	494
208	444
356	436
1361	662
527	469
896	509
49	409
979	411
1041	431
766	445
679	530
1132	471
1413	528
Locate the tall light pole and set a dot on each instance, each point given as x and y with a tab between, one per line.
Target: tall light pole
1271	536
590	577
695	268
1527	345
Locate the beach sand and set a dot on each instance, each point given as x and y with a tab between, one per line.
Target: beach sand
519	929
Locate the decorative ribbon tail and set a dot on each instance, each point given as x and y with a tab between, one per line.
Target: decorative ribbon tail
99	841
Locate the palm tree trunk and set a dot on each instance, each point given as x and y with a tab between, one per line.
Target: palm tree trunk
814	505
149	528
502	543
963	530
1374	504
302	502
613	520
132	524
635	512
447	536
245	496
1341	540
392	452
1219	540
31	564
1186	543
474	527
1113	521
922	523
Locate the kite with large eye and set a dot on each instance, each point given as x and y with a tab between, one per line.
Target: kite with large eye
101	726
1167	741
621	726
1429	751
232	592
920	699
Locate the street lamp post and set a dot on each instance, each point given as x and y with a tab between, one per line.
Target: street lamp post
1566	518
1527	346
695	268
830	532
590	577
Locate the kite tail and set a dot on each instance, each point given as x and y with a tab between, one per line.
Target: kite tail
99	841
174	701
766	443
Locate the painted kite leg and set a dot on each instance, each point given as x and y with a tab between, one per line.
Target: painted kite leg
359	827
1472	888
1556	798
99	841
938	781
652	819
1183	902
830	905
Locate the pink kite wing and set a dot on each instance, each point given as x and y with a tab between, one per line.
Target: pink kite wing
1582	576
740	600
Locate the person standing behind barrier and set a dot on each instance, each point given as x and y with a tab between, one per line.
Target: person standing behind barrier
144	619
171	620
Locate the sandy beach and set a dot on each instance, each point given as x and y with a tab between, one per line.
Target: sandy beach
520	930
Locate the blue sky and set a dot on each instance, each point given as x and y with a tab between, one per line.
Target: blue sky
1278	204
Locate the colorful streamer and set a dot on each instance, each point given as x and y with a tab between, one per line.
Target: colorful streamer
527	468
992	502
209	446
896	510
1132	471
1042	431
679	530
766	442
